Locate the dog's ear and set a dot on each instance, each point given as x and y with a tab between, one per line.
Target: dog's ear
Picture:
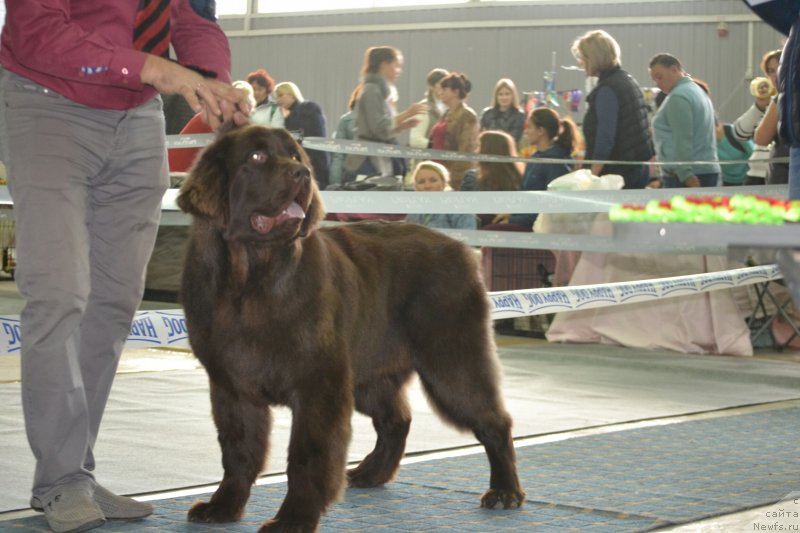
205	191
316	207
315	212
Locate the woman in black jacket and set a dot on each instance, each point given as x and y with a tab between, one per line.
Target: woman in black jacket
505	113
616	125
305	117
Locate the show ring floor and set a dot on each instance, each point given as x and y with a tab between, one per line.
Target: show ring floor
608	439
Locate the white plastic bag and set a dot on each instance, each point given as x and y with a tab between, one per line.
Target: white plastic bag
575	223
583	180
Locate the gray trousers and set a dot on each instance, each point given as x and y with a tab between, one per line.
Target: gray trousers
87	186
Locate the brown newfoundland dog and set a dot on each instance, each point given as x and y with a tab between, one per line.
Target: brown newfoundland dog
325	321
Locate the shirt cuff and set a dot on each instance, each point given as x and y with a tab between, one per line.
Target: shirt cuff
126	68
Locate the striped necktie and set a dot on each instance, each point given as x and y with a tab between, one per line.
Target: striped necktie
151	29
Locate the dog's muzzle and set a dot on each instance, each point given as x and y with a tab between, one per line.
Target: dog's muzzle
263	224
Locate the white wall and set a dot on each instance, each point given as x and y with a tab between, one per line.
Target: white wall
322	52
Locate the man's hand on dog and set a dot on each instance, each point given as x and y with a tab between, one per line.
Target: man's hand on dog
218	101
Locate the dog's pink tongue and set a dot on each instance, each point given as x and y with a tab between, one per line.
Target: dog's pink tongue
293	211
264	224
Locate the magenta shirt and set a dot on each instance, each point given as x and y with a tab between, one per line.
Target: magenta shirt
83	49
438	134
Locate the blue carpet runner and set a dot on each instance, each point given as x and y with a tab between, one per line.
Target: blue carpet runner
632	480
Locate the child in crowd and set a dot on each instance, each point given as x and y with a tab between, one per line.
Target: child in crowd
730	148
431	176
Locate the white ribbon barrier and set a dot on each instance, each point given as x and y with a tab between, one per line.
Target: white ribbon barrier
378	149
167	329
150	329
403	202
510	304
385	202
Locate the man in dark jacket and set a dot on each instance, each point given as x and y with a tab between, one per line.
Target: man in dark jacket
783	16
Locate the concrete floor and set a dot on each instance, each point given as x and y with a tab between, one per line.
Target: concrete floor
578	415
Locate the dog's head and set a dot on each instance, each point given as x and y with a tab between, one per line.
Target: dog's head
256	184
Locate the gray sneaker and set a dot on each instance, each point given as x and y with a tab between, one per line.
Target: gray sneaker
72	510
112	505
120	507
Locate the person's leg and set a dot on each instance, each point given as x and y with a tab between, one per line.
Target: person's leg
46	145
709	180
754	180
87	186
671	182
636	177
48	166
123	215
367	168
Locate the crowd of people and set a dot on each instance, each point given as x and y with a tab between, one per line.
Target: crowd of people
620	133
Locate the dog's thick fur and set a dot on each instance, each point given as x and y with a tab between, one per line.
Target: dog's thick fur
325	321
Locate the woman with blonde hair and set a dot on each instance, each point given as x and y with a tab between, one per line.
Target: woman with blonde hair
766	133
306	118
247	88
430	176
616	125
504	114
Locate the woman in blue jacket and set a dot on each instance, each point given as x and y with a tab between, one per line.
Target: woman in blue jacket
555	138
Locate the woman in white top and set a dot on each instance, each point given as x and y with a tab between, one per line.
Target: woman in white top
420	135
266	110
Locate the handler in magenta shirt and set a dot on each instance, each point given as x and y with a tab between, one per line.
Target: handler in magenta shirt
83	138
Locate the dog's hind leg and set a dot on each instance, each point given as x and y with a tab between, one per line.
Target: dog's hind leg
243	433
459	371
385	402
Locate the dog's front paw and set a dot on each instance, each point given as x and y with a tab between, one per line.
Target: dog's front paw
511	499
213	513
287	526
358	478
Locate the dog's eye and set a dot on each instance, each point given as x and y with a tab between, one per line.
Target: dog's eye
259	156
296	157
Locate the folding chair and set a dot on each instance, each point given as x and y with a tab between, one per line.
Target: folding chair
760	321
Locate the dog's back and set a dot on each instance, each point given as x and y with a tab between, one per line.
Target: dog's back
422	279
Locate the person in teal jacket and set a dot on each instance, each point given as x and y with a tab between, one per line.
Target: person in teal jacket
730	148
683	127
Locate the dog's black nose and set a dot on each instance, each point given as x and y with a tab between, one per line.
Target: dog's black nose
300	173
